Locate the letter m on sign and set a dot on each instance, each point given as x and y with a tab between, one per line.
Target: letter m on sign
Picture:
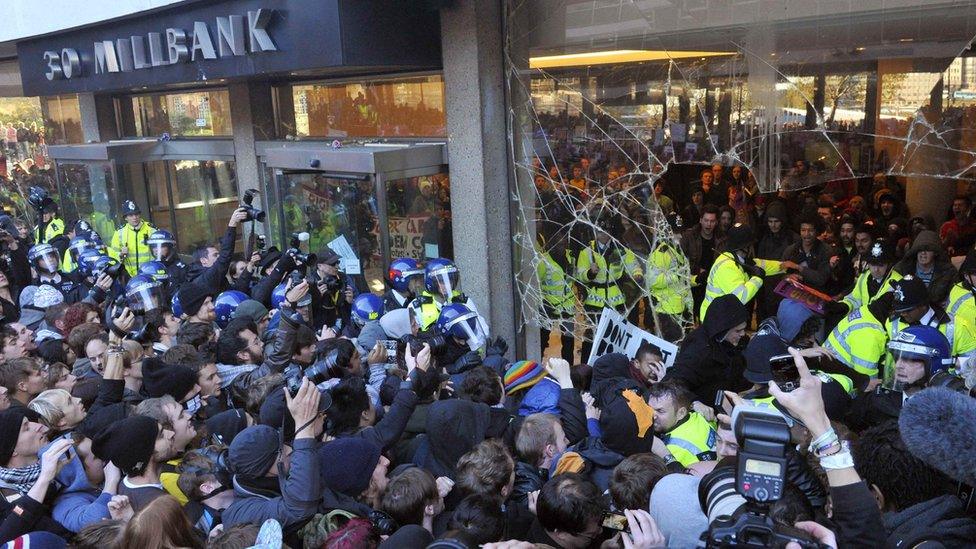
106	59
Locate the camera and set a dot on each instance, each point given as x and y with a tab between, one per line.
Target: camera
295	251
437	342
260	242
758	479
952	382
253	214
322	369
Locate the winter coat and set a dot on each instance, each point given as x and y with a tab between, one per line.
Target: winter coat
79	503
295	502
944	274
815	266
705	363
940	519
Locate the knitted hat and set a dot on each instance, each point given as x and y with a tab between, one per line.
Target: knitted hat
128	443
27	296
758	352
250	309
254	451
522	375
192	296
10	422
47	296
97	420
159	378
626	424
347	464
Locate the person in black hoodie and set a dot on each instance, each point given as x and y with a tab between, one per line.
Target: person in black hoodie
208	269
710	358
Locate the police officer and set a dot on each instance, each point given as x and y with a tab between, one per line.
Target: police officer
962	297
599	268
442	285
130	242
876	278
162	248
859	338
558	299
911	307
406	278
667	284
920	353
44	258
736	272
50	227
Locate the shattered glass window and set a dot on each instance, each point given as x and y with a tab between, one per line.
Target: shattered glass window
795	99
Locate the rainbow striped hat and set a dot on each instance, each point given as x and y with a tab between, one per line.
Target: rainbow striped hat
522	375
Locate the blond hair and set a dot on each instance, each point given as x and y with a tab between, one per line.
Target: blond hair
50	405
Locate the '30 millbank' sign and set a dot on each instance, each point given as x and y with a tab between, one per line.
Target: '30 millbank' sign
236	35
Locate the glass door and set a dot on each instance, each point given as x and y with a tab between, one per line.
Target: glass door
89	191
339	210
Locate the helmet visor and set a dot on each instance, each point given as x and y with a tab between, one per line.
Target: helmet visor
910	365
47	261
446	281
160	252
144	297
467	328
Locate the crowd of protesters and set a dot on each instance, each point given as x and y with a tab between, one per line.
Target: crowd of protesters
259	399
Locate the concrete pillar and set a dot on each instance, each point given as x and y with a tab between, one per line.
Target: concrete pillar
471	34
252	117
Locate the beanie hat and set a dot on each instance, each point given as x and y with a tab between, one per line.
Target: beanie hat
522	375
47	296
159	378
10	422
224	426
253	451
758	352
129	443
97	420
626	424
250	309
347	464
192	297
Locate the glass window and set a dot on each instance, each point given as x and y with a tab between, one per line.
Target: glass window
204	197
62	120
189	114
89	192
406	107
329	208
419	210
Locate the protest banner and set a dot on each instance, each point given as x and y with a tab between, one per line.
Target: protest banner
810	298
406	237
615	335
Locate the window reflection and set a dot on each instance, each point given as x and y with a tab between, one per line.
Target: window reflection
190	114
62	120
409	107
89	192
419	211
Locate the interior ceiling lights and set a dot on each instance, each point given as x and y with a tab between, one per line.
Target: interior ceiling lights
616	56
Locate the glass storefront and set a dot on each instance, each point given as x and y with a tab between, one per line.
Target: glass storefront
402	107
89	191
833	99
62	120
188	114
419	217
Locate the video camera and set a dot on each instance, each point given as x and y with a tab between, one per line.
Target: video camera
760	476
253	214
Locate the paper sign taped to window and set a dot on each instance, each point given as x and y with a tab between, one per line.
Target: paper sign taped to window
348	261
615	335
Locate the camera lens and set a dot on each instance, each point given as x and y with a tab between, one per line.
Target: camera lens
318	372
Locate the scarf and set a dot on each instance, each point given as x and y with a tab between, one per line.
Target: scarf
20	479
229	372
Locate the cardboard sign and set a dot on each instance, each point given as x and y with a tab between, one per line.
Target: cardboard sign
615	335
812	299
406	237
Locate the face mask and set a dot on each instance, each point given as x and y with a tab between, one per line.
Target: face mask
193	405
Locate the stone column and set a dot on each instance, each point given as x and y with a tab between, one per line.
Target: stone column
252	119
472	43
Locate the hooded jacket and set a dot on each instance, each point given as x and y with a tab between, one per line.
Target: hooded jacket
943	519
79	503
453	428
943	275
705	363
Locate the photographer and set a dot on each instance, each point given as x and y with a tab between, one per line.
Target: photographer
210	265
240	353
856	518
332	294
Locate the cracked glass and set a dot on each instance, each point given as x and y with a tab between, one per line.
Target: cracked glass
618	107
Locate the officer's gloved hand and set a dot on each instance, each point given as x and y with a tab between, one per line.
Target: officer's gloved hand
468	360
754	270
497	347
835	307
